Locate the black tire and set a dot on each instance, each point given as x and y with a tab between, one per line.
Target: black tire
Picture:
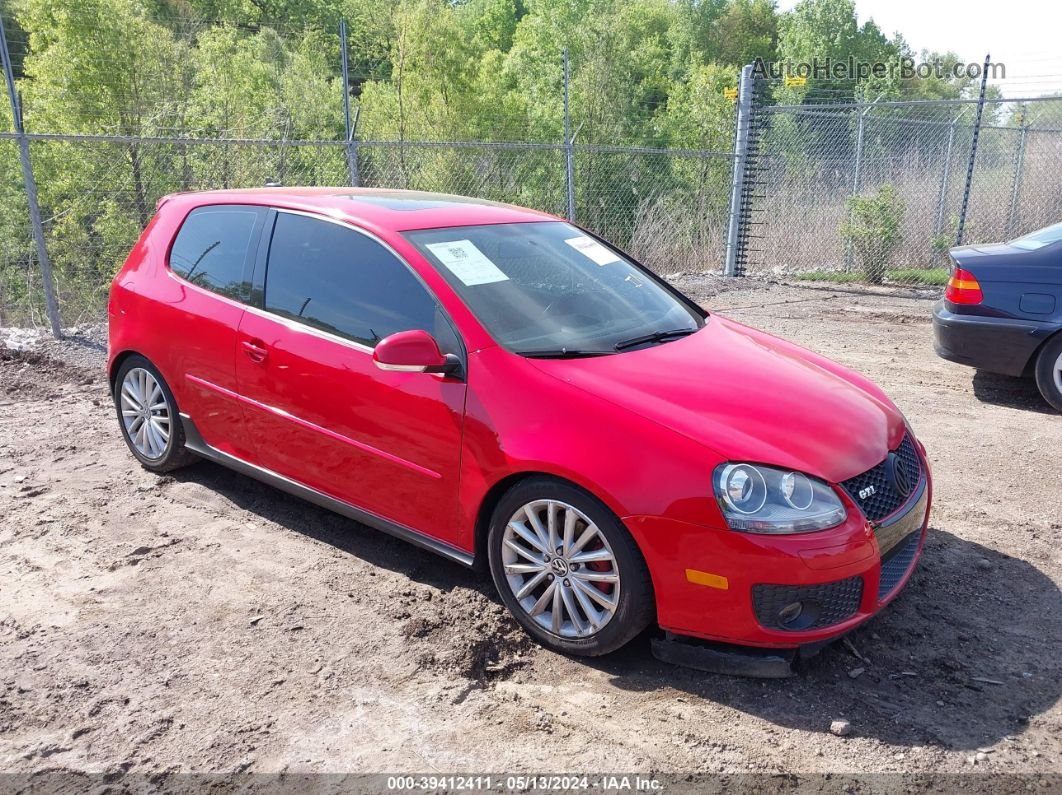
1046	363
635	607
174	455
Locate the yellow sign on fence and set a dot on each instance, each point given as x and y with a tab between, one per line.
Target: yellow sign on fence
730	93
796	81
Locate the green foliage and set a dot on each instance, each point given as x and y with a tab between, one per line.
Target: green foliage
874	229
829	29
834	277
932	277
643	73
941	243
747	29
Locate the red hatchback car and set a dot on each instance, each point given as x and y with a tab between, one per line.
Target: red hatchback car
501	387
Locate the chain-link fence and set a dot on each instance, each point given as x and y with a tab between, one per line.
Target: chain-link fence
97	193
873	192
867	192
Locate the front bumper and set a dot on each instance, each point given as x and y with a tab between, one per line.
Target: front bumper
727	587
995	344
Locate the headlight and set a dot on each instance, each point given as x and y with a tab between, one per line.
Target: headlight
760	499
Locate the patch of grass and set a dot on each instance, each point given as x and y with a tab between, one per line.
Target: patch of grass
837	277
935	276
906	276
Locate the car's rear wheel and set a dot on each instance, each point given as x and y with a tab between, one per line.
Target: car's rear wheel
148	416
567	569
1049	371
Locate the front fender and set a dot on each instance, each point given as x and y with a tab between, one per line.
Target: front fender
632	464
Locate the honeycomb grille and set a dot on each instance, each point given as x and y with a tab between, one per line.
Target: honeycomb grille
896	563
824	605
883	498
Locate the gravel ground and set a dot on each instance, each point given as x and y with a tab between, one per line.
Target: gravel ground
203	622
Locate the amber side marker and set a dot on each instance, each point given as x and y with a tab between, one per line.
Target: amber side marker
707	578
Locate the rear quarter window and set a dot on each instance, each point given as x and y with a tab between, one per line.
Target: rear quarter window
213	248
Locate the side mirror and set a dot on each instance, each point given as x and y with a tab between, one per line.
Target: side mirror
414	351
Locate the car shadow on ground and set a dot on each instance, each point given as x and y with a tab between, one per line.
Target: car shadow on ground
1010	392
320	524
965	656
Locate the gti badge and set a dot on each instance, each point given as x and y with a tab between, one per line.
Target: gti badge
869	491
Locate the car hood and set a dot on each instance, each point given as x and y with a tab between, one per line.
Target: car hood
748	396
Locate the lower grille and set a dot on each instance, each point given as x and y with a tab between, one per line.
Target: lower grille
896	563
821	605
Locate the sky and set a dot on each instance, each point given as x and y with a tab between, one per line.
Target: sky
1022	34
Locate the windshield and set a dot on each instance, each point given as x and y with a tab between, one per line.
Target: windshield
1039	238
549	289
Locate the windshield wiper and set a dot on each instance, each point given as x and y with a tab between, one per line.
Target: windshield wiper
563	353
656	336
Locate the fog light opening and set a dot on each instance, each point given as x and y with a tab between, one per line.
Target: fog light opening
790	613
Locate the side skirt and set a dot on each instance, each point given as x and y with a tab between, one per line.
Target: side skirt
194	442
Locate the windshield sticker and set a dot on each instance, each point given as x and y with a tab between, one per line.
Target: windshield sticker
467	262
591	248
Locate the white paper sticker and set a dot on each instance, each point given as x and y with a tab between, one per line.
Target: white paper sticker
591	248
467	262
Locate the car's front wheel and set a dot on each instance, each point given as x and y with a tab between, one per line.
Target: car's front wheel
567	569
1049	371
148	416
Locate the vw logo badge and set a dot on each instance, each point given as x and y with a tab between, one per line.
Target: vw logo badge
901	481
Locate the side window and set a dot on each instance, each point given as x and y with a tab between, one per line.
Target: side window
343	282
212	247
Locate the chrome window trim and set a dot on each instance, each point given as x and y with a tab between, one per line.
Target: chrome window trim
290	324
347	224
295	325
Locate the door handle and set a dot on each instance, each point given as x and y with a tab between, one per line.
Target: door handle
255	349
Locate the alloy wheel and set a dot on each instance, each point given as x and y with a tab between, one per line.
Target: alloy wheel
560	568
145	413
1057	373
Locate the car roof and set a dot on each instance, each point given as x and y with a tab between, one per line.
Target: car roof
397	210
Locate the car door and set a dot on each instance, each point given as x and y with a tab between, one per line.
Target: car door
197	315
320	411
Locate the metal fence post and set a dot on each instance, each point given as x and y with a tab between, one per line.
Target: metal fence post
569	144
973	155
741	147
349	126
50	300
1015	191
942	198
858	166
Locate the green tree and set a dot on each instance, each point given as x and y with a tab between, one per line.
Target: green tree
747	29
874	229
829	29
99	66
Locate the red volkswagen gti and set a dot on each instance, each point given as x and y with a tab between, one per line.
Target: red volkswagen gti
506	389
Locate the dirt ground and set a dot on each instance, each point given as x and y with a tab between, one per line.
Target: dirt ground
204	622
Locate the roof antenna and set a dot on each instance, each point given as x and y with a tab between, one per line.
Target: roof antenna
272	182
